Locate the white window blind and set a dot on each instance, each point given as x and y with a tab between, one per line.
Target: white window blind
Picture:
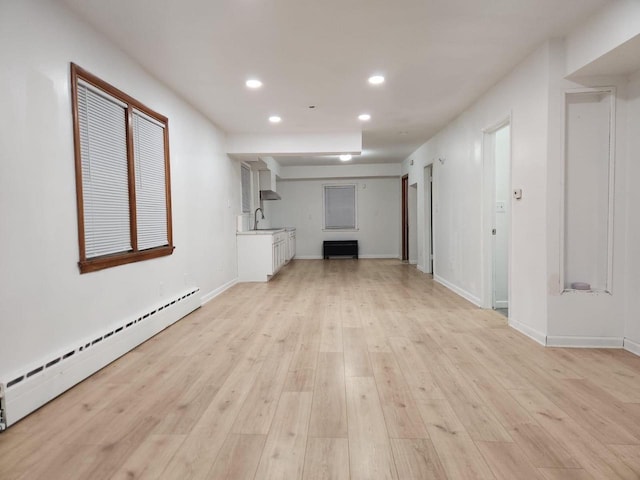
245	174
105	184
151	201
340	207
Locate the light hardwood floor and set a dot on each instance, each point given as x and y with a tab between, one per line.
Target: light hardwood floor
338	369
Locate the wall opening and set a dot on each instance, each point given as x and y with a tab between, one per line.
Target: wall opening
405	218
588	189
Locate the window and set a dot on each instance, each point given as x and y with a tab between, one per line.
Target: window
122	176
340	210
245	178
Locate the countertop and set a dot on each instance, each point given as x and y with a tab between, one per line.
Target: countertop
266	231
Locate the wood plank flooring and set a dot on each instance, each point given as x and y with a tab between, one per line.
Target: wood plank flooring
340	369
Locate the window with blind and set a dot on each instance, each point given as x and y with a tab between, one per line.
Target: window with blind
340	207
245	178
122	176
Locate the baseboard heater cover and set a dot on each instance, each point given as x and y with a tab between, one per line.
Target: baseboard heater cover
27	391
339	248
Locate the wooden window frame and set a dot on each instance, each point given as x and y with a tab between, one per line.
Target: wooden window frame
134	255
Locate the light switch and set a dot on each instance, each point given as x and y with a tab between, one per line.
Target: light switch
501	207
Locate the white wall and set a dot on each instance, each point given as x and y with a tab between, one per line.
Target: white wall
344	170
295	143
45	304
378	215
461	229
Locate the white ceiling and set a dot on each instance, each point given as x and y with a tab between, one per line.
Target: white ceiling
437	56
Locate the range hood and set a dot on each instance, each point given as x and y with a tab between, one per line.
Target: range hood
269	195
268	185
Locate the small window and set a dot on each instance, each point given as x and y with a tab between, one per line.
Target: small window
122	176
245	178
340	211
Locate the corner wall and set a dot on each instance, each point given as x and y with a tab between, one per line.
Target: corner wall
598	48
45	304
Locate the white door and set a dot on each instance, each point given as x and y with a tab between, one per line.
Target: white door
502	213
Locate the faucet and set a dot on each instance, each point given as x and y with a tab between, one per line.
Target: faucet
255	218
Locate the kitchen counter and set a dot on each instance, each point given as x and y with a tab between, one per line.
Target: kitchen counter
263	252
265	231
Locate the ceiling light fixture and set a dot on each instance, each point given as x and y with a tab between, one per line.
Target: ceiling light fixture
275	119
253	83
345	158
365	117
376	79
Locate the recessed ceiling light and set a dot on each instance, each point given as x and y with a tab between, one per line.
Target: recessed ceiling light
275	119
376	79
345	158
253	83
364	117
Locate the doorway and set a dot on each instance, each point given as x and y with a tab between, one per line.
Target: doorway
413	223
428	219
497	143
405	218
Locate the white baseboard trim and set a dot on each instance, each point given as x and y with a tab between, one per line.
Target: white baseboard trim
214	293
454	288
366	256
502	304
631	346
424	269
46	379
533	334
585	342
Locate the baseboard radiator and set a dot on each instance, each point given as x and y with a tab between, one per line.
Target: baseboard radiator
338	248
26	391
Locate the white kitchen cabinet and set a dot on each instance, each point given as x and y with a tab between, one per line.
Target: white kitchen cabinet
260	254
291	244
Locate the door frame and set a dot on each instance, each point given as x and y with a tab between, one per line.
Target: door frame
405	218
489	213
